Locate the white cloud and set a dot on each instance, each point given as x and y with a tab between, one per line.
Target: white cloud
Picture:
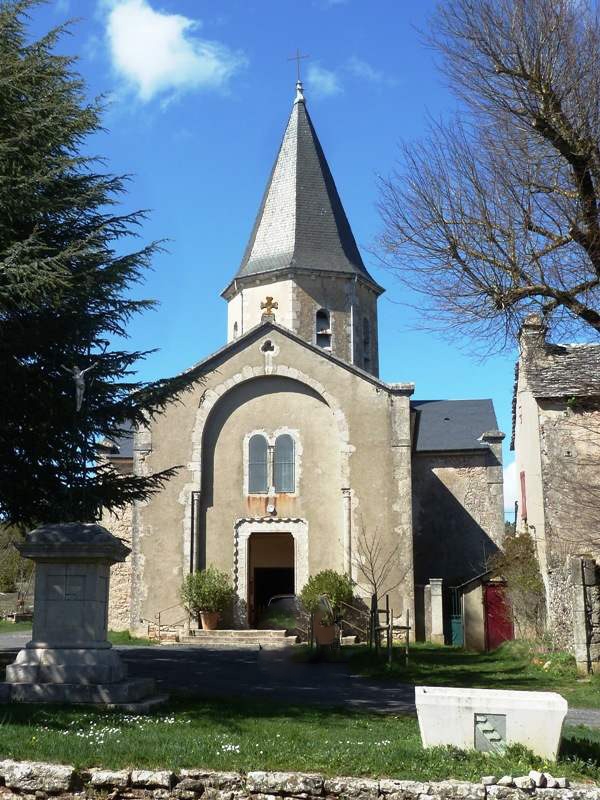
510	487
322	82
362	69
157	53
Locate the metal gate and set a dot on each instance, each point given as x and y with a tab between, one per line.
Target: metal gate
457	631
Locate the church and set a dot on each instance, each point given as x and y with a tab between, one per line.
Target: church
296	455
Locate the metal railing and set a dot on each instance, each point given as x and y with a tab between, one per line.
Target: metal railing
157	622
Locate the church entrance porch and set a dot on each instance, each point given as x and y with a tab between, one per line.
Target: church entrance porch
271	571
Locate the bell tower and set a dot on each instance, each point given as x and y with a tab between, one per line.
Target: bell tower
302	259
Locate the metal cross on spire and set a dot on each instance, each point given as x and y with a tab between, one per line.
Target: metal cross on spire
298	58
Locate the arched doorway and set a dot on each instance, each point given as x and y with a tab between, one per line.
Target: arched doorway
290	552
271	571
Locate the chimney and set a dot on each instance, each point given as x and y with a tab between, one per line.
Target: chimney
532	336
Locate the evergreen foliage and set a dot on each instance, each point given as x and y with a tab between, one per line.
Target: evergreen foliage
207	590
15	571
65	293
336	587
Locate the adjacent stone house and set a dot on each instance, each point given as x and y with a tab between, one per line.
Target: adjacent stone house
556	438
293	449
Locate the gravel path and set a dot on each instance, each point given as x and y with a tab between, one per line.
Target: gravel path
270	674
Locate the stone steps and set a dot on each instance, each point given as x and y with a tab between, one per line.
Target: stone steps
240	638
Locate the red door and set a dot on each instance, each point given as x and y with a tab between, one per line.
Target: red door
498	616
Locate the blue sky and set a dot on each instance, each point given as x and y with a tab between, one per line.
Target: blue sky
199	93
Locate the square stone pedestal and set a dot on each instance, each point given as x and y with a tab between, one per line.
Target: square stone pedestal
69	659
490	719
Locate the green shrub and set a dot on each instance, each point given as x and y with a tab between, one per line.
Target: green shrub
15	571
517	563
336	587
208	590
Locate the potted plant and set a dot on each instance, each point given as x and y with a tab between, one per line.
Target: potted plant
322	596
206	594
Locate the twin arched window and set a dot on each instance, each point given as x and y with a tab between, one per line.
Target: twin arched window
271	465
258	477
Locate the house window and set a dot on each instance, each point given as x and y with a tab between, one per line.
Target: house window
284	464
323	328
366	343
235	330
258	482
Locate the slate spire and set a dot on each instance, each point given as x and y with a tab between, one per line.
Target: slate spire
301	225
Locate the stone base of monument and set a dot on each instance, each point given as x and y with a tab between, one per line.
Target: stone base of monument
490	719
69	659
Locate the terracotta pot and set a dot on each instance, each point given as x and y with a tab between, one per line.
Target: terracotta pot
209	620
324	634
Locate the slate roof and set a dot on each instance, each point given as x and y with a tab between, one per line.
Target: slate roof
121	446
301	224
452	424
564	370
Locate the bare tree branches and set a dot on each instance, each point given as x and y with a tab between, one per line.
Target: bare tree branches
496	214
379	567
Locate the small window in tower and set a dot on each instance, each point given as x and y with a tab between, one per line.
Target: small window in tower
323	329
366	344
235	330
257	465
284	478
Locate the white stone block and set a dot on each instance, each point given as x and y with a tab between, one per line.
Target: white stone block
449	716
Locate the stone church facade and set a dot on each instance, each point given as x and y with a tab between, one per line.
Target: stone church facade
293	449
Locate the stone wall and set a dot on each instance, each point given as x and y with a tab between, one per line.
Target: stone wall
559	604
570	458
585	581
119	599
570	464
457	518
37	780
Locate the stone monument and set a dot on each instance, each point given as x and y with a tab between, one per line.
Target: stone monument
69	658
490	719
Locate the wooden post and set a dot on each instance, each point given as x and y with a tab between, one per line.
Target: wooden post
372	621
387	625
407	635
390	636
375	623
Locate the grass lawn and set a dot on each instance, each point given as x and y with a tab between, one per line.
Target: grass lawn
14	627
245	736
116	637
124	637
515	665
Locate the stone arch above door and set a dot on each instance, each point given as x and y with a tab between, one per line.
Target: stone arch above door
211	398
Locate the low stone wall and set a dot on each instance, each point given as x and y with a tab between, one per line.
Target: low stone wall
29	780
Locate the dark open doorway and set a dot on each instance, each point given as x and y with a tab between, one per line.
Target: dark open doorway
271	570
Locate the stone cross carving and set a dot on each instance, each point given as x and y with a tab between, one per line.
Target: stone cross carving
79	380
269	306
